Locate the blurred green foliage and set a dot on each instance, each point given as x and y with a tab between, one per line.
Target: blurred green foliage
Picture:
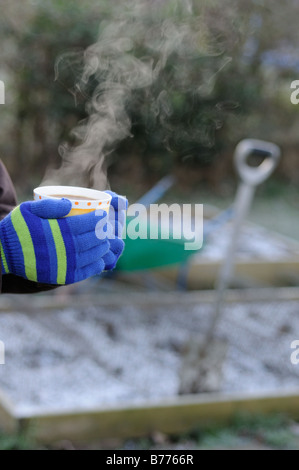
245	432
214	88
250	431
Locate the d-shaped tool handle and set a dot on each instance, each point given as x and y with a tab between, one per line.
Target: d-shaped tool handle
255	175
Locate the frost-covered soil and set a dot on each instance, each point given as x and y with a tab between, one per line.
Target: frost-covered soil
255	242
85	356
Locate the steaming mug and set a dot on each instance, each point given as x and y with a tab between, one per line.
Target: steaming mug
84	200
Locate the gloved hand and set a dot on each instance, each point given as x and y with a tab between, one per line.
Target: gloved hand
38	244
116	221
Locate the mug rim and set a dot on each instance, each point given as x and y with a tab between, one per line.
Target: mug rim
97	198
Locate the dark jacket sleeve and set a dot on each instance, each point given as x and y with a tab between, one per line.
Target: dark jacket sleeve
10	283
8	197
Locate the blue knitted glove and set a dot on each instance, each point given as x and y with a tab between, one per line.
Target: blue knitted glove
39	244
116	221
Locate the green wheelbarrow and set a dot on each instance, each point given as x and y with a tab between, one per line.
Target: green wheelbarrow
143	254
146	253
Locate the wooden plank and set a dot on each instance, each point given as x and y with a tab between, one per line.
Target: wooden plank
203	274
173	416
37	303
8	421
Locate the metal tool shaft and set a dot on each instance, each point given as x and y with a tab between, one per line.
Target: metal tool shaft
250	178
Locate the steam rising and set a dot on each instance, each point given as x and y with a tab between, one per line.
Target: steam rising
144	59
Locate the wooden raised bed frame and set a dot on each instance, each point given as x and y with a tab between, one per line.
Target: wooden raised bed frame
175	415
